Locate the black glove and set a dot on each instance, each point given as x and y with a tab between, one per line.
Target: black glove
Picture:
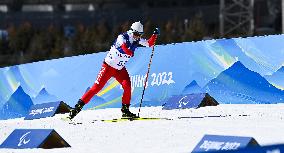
156	31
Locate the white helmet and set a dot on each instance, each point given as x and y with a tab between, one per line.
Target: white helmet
137	27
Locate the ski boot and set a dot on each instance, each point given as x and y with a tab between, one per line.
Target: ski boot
126	113
76	110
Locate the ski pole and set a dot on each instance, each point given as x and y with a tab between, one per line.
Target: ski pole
146	79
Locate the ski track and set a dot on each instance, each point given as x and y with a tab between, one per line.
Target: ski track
264	122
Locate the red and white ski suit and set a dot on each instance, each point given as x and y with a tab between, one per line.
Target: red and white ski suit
114	65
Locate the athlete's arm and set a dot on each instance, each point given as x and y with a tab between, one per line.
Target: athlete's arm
151	41
122	43
148	43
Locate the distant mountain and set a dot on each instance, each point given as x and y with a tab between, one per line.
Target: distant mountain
44	97
193	87
237	84
277	77
202	78
280	70
18	105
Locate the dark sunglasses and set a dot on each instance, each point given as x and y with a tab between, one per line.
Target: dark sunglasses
138	34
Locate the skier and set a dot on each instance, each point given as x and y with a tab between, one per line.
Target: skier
114	66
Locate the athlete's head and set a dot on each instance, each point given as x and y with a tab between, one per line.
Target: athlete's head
137	30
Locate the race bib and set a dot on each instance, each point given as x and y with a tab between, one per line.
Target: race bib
116	59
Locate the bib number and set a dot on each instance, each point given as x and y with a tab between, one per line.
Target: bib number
121	63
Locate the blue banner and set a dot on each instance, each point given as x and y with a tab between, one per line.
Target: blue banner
194	100
261	149
33	138
220	143
43	110
232	71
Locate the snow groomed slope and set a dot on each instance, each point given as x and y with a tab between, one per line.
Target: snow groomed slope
263	122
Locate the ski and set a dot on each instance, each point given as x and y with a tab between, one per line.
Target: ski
123	119
67	119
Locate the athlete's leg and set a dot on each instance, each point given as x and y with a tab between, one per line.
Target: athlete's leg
123	78
104	75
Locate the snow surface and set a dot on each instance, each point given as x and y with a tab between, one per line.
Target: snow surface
264	122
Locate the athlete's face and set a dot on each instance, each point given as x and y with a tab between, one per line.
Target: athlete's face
137	35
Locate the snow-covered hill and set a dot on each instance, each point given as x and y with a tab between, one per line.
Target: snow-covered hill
264	122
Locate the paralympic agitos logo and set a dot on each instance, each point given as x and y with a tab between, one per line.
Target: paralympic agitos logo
23	140
183	101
